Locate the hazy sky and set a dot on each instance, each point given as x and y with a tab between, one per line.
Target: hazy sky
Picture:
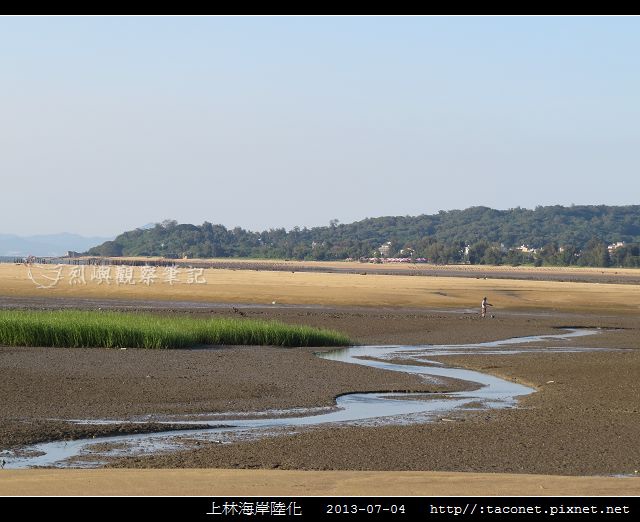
107	124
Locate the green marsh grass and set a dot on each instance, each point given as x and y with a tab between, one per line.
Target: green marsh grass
75	329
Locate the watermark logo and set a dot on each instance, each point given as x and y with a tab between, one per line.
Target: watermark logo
49	276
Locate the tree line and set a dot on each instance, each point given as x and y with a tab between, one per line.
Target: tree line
551	235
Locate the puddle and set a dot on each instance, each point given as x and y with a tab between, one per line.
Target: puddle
359	408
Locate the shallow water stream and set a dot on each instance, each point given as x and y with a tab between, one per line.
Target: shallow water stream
364	408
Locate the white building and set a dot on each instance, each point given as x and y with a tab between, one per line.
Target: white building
385	249
526	249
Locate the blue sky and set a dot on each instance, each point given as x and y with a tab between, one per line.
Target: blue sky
111	123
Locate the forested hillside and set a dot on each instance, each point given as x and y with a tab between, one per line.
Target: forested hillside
553	235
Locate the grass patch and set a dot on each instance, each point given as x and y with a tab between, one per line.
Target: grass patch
76	329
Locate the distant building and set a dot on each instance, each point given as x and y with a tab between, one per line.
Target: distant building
615	246
73	253
385	249
526	249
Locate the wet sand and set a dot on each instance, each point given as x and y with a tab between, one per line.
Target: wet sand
584	420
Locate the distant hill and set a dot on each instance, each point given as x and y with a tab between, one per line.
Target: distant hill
45	245
552	235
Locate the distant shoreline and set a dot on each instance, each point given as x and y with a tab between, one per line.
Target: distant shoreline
609	275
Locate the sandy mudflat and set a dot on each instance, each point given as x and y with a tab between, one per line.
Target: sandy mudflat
585	419
585	422
582	426
259	482
353	289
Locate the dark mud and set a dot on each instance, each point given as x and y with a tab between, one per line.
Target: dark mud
584	419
